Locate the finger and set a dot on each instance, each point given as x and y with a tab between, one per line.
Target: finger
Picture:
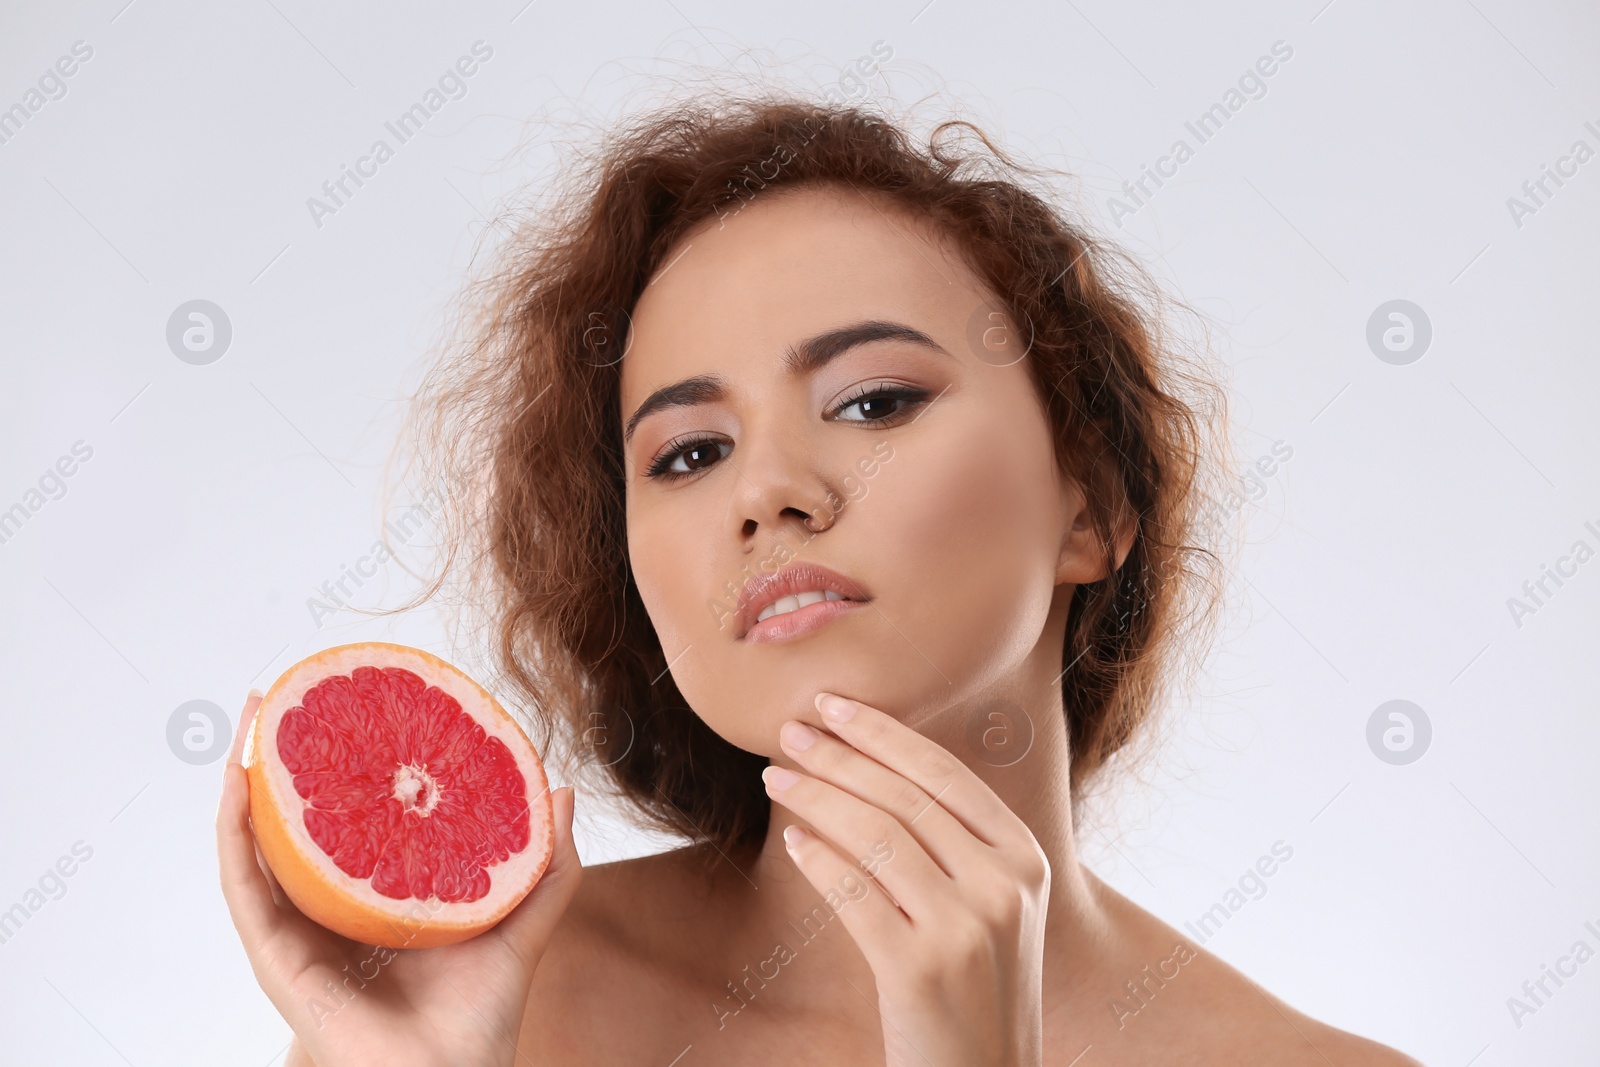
279	897
244	886
246	717
529	926
877	925
859	829
926	763
951	845
235	755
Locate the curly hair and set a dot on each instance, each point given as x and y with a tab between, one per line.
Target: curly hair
522	425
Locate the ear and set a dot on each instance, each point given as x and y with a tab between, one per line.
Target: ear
1081	560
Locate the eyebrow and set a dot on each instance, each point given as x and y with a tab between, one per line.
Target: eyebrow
802	358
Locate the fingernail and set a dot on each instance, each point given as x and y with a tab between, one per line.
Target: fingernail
253	693
836	708
793	835
797	736
779	778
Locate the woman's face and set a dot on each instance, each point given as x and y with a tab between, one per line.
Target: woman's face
820	391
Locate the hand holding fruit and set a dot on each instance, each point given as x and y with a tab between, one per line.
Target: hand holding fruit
352	1003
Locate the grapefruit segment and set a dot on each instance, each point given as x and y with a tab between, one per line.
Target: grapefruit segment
395	800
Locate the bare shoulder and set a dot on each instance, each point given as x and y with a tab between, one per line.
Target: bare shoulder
1312	1041
1352	1051
1186	1004
618	943
647	907
611	926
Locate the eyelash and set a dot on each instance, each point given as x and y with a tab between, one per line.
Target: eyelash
908	396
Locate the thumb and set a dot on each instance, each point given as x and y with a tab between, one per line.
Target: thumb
527	928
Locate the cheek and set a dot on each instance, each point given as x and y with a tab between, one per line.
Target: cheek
663	552
969	532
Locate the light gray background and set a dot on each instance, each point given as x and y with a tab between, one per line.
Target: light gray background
1377	166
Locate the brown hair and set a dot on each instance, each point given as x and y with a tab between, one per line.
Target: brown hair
524	428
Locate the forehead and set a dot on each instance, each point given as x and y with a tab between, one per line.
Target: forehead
788	264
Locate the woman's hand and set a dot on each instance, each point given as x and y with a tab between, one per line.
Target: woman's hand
957	945
454	1004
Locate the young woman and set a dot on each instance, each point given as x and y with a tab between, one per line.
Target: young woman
839	503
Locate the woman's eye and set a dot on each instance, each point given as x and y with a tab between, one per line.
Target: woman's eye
687	458
878	405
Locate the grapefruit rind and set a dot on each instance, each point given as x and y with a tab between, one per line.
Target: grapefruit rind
350	906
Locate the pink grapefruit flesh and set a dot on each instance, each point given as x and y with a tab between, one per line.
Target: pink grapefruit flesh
395	800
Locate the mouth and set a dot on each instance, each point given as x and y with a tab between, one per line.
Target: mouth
795	600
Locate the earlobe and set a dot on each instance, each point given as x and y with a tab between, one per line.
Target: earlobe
1082	557
1081	561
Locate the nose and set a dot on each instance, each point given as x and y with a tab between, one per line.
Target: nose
779	488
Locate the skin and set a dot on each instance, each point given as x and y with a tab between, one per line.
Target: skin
981	938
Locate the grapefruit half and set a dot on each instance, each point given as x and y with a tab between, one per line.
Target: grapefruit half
394	799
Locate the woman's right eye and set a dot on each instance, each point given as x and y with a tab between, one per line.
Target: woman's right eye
681	459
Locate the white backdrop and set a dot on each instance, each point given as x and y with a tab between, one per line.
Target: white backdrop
210	499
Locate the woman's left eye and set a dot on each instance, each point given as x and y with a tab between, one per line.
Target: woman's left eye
880	404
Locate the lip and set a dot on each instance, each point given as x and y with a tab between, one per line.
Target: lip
765	589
